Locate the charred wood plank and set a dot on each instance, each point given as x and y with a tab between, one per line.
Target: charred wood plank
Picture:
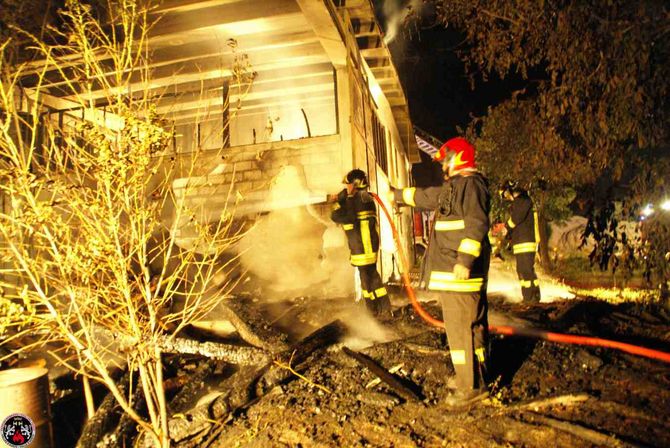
383	374
104	418
426	350
187	427
378	399
274	375
226	352
252	326
320	338
562	400
596	437
240	390
195	383
232	354
195	441
183	426
245	387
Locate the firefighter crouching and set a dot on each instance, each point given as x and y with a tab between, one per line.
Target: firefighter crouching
458	262
355	210
523	227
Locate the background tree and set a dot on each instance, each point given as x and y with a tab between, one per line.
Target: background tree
595	109
90	264
504	141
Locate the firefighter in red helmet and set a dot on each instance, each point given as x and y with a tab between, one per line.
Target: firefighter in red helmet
458	262
355	210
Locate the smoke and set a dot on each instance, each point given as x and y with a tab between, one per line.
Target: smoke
364	330
291	251
503	281
397	13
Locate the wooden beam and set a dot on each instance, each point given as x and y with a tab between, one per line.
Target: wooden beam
383	72
317	14
223	30
166	6
364	27
368	42
257	90
215	67
192	52
215	46
356	4
254	107
77	110
266	74
215	100
379	66
375	53
220	14
396	93
383	374
388	84
261	108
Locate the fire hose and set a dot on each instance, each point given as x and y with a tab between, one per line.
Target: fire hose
508	330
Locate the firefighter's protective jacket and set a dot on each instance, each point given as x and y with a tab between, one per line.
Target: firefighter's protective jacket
358	215
523	225
460	231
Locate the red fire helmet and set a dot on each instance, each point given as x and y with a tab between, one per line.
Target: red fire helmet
459	148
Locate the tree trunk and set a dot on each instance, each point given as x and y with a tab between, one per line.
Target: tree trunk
543	227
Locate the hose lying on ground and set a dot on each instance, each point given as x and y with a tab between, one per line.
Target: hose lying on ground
514	331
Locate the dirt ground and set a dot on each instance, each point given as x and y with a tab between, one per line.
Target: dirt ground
545	394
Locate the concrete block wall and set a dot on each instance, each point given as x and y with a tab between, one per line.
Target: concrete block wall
238	177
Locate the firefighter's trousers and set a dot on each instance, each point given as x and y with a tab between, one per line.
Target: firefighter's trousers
530	285
466	323
375	294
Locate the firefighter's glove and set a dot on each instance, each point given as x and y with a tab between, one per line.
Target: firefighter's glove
507	240
390	195
342	196
461	272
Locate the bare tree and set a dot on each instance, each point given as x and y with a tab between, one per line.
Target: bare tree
90	267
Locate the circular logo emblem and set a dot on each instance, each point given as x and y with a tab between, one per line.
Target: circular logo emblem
18	430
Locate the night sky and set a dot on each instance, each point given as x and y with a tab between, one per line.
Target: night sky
436	85
434	78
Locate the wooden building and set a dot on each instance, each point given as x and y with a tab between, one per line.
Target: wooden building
325	98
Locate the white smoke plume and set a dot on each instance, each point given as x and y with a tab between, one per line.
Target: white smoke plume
396	13
504	281
292	250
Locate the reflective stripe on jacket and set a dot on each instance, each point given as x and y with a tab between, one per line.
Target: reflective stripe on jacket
523	225
460	232
358	215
